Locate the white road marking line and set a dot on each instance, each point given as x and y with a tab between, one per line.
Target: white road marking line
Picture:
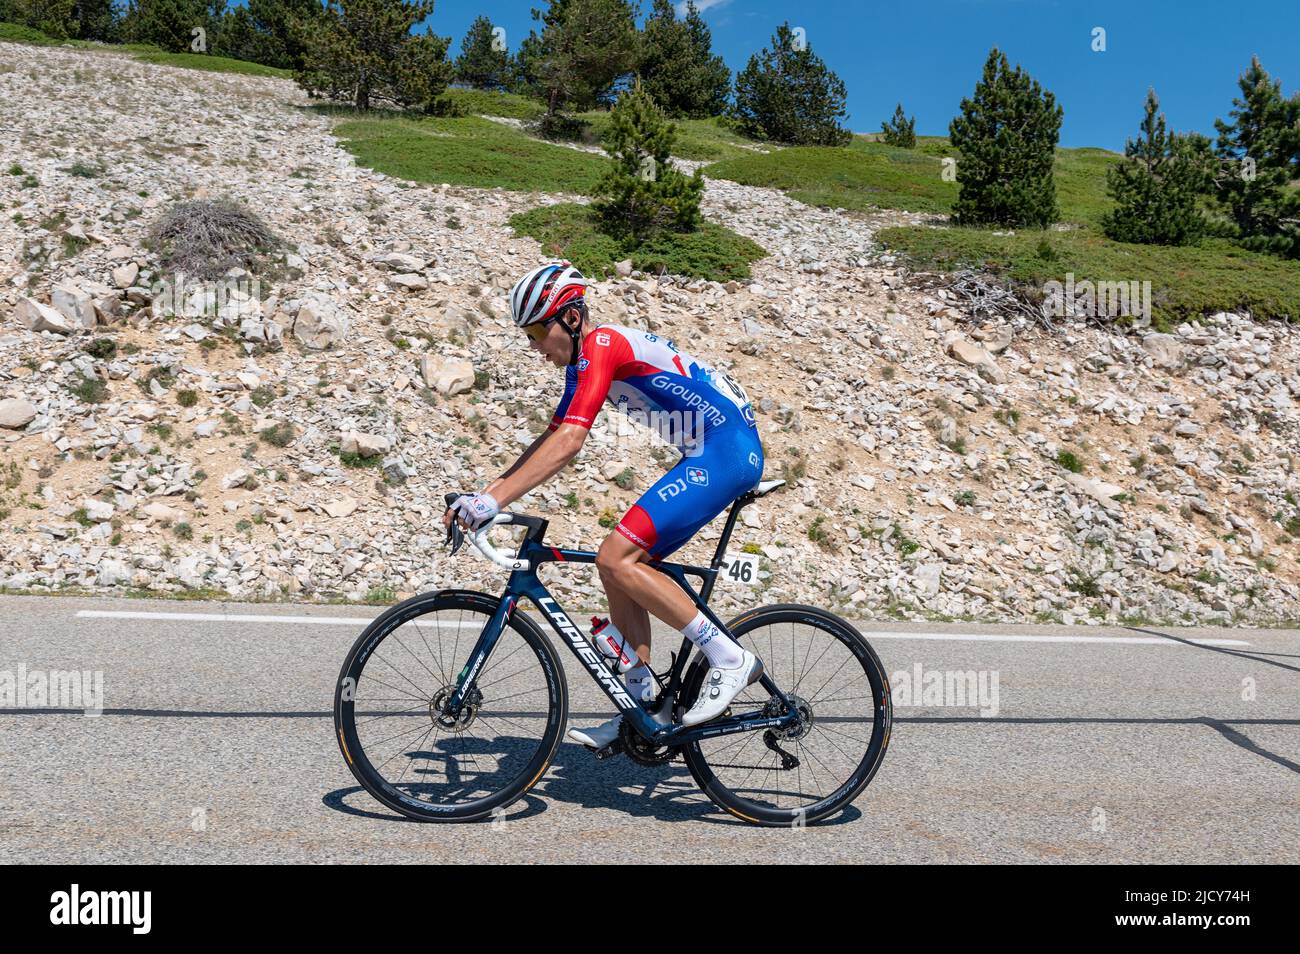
252	618
870	634
1034	638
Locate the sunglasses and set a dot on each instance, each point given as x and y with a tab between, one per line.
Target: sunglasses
539	330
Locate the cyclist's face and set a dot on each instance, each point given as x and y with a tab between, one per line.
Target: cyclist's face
551	341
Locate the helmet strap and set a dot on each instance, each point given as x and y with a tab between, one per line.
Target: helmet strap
575	333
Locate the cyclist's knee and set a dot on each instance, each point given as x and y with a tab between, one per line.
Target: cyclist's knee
617	554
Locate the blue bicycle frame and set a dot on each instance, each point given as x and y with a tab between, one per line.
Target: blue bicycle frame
525	583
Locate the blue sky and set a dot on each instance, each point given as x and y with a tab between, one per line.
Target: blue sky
929	53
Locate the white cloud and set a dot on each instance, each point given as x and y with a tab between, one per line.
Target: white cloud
700	5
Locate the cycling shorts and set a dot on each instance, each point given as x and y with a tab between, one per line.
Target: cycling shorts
695	490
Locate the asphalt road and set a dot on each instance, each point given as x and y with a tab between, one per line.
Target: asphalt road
215	744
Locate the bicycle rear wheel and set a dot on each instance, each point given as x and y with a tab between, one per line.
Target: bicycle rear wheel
800	775
388	702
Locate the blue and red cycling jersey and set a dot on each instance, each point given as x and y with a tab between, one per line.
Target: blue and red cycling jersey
700	410
647	377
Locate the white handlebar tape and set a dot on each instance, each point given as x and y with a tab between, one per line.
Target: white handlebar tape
480	541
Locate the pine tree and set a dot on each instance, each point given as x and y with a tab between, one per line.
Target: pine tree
1157	188
96	20
241	39
524	77
787	94
1260	150
481	64
54	18
363	52
713	76
585	47
167	24
678	67
899	131
641	191
1006	134
271	32
285	23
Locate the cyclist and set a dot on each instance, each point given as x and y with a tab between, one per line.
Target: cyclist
699	410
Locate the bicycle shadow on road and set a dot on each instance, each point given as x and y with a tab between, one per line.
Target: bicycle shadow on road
624	787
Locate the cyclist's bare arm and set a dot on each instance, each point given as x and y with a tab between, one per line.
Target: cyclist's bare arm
538	441
519	462
543	459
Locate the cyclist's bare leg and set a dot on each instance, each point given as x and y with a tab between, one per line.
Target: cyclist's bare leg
631	619
631	585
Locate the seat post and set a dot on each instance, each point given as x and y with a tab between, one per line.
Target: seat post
740	502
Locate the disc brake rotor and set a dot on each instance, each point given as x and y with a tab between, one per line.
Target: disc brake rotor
460	721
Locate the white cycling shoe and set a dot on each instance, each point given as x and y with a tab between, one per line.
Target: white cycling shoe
602	735
599	736
720	687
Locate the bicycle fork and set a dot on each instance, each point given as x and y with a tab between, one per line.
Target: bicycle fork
486	642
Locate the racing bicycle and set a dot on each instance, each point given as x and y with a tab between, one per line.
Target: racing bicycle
452	704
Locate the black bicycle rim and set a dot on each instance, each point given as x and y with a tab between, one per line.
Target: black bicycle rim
826	663
389	730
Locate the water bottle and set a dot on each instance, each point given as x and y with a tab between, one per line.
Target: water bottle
613	645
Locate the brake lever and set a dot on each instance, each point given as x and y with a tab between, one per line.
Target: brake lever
455	535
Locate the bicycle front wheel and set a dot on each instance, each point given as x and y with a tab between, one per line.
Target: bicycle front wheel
805	773
389	700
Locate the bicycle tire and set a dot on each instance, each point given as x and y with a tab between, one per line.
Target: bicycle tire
754	812
369	643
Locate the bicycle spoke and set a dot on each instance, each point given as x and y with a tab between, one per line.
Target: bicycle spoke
494	738
389	715
442	672
826	754
416	658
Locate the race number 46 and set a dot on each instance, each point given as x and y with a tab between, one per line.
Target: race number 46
741	568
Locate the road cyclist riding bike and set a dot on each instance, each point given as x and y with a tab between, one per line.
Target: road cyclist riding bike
451	705
701	411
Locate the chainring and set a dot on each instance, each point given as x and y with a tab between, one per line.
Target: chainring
642	750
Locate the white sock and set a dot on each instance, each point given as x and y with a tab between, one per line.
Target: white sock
641	683
721	650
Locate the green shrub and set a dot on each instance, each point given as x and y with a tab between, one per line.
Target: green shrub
90	390
281	434
1006	133
1069	461
1082	583
105	349
818	534
162	375
573	231
899	131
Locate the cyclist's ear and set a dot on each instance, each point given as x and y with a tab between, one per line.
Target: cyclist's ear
573	316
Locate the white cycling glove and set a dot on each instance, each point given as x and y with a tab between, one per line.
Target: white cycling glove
475	510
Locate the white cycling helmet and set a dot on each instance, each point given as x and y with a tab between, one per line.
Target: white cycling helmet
545	292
